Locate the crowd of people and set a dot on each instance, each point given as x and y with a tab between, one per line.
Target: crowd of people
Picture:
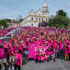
41	44
4	31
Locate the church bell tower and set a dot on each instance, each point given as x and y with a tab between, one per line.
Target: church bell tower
45	8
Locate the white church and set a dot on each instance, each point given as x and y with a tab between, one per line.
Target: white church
36	17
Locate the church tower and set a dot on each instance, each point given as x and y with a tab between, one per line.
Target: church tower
45	8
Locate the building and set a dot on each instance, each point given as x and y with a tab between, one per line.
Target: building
35	17
13	24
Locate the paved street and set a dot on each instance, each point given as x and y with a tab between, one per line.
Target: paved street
57	65
64	63
44	66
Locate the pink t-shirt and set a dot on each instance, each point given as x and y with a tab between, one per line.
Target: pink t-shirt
69	48
11	51
2	53
18	58
66	51
49	52
55	46
61	46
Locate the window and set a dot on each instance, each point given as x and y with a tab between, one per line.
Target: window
39	19
31	24
36	18
32	18
42	19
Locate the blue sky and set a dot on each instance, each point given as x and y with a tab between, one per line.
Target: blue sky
13	8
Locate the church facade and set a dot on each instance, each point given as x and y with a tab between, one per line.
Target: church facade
35	17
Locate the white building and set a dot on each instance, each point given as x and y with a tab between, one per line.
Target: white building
35	17
13	24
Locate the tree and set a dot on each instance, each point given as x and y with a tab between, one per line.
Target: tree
3	22
61	13
8	20
51	22
68	24
59	22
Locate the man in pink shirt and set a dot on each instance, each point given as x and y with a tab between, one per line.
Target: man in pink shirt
2	57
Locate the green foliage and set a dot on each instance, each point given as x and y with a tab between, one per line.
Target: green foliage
61	13
8	20
60	20
3	22
68	24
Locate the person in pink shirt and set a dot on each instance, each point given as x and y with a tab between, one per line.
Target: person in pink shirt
35	56
18	60
66	52
68	46
46	57
55	48
3	55
43	55
38	54
50	54
61	46
11	54
69	49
